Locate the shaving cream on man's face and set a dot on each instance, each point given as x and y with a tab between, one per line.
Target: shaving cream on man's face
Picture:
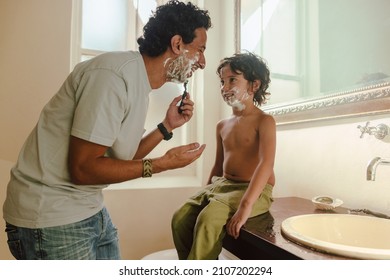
181	68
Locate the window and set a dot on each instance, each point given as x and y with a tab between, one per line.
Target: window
114	25
271	28
108	25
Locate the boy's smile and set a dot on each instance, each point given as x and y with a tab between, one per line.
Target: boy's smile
233	88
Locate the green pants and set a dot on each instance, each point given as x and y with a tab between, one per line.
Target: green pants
198	227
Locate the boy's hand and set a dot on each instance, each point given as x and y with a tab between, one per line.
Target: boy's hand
237	221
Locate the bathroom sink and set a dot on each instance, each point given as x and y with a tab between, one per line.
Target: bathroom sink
352	236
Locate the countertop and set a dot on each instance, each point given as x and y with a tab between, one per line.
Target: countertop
261	237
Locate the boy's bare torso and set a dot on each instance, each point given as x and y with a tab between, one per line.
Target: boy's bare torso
240	136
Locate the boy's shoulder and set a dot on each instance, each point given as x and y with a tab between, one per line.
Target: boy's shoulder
260	115
266	123
263	121
265	117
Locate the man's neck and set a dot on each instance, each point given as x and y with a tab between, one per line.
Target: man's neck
155	68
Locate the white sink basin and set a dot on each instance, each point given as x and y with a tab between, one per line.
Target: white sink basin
361	237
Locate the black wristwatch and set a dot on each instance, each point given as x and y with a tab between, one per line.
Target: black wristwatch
164	131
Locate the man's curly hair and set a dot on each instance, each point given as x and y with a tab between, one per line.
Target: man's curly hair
173	18
253	67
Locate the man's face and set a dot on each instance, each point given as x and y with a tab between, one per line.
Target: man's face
190	59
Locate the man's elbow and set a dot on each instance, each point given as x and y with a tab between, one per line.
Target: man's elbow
77	176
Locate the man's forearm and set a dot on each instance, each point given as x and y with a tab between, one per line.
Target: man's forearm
148	143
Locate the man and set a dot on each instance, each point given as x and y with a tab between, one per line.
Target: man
90	135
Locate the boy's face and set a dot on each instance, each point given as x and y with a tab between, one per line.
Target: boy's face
234	88
191	58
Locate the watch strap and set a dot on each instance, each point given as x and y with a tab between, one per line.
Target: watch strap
167	135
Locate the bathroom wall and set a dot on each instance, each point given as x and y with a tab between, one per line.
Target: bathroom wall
329	157
35	58
325	157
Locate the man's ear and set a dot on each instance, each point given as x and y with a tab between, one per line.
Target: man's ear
176	42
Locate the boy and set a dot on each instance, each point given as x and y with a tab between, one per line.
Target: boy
242	178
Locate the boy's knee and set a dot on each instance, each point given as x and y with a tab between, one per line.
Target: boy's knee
176	217
179	218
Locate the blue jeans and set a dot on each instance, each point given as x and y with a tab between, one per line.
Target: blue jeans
94	238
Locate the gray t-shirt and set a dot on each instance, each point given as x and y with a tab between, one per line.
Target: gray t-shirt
104	100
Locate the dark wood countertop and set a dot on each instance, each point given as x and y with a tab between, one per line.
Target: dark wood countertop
261	238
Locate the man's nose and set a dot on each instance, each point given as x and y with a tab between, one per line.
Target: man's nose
202	62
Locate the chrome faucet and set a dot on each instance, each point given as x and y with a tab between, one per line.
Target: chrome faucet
373	164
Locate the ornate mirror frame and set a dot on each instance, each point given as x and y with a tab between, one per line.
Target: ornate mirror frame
371	100
364	101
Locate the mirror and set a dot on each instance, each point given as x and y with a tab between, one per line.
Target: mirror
327	59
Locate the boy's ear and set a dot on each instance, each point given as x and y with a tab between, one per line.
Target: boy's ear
256	85
176	42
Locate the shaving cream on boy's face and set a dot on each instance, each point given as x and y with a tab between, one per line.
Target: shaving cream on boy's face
235	98
181	68
233	88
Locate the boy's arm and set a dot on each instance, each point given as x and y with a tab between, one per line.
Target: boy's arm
217	169
263	172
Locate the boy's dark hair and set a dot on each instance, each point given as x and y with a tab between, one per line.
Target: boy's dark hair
173	18
253	67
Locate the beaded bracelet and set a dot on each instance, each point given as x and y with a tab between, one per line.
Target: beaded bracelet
147	168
